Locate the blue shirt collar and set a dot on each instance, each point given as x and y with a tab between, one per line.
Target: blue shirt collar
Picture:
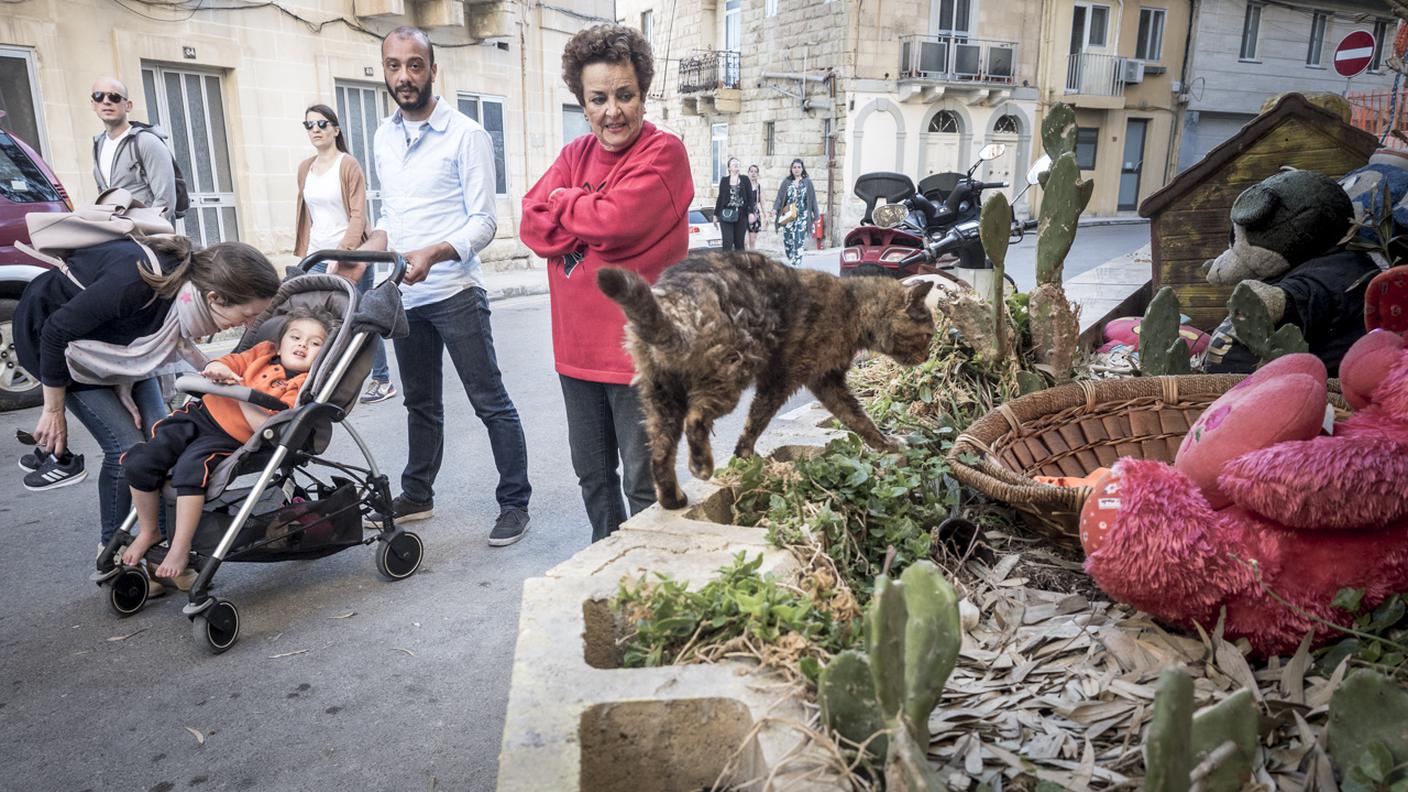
439	118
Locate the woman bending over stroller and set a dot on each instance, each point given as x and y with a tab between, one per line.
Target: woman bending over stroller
184	445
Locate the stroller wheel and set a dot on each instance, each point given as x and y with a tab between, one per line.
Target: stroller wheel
399	557
218	627
127	592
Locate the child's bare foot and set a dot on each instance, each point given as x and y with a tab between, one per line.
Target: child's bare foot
132	556
174	563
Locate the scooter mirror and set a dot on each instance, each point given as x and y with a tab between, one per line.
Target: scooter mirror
1039	167
889	215
992	151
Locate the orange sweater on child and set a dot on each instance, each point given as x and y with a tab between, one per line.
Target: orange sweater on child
257	369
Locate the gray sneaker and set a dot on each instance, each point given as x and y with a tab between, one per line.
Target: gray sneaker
378	392
509	528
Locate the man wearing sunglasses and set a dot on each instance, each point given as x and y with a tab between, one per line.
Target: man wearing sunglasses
125	156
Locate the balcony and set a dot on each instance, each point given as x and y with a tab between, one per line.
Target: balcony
931	66
1089	74
710	82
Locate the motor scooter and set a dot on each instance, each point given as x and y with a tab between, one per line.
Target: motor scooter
929	230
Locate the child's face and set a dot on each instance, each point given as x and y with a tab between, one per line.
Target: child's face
300	344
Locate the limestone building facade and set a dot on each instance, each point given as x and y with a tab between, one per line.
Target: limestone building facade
231	84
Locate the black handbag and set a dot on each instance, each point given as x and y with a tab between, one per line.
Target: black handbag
729	214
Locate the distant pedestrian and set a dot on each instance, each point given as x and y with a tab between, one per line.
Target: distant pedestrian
436	167
755	220
795	210
619	197
131	155
735	206
332	215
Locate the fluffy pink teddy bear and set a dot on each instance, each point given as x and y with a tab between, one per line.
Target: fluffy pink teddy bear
1255	482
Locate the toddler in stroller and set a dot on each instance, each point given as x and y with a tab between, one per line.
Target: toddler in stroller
290	511
185	443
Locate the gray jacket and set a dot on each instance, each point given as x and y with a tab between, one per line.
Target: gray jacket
142	166
807	211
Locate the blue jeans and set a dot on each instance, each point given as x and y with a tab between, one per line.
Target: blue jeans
111	425
459	324
604	425
381	372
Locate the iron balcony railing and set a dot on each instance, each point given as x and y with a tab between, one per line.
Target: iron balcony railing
1090	74
957	58
709	71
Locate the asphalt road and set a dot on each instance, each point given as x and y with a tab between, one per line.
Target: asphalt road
340	680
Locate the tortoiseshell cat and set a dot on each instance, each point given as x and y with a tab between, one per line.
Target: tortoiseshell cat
718	322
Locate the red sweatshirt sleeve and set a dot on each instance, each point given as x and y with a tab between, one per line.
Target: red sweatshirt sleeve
538	229
645	203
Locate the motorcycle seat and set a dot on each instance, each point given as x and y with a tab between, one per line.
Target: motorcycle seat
871	187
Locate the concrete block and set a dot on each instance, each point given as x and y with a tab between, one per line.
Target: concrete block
577	721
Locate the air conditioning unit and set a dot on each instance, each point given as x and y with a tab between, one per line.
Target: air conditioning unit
1132	71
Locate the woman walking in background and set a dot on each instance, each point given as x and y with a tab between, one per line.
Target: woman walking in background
735	206
332	200
755	220
795	210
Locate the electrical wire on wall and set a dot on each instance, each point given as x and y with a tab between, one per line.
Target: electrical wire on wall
192	7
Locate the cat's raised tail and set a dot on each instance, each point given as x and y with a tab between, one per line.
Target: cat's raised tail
631	291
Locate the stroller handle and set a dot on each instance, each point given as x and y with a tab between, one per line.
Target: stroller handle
398	264
195	383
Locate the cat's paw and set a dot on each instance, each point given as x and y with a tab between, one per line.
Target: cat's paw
741	451
702	468
671	500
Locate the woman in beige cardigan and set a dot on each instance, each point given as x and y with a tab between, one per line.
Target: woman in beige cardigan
332	201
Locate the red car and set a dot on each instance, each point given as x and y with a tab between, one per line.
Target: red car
26	185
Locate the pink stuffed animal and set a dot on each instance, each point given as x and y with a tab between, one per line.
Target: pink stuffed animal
1316	513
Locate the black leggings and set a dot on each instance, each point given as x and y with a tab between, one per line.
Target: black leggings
734	233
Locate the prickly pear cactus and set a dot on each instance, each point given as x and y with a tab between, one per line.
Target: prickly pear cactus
1180	740
1168	753
847	696
912	637
1366	735
1233	720
1252	324
996	231
1064	197
1058	130
1162	350
1055	328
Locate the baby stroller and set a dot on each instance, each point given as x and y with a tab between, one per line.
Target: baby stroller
289	512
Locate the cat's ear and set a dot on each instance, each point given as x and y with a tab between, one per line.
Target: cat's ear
915	294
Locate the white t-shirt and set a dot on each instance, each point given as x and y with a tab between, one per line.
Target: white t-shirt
107	150
323	194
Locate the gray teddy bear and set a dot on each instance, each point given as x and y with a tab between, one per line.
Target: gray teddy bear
1287	245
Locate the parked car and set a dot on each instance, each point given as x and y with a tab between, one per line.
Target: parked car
703	234
27	184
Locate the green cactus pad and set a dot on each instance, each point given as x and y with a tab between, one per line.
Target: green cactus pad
1253	326
1062	202
1236	720
1168	754
1058	130
1368	716
932	637
1162	350
847	697
884	642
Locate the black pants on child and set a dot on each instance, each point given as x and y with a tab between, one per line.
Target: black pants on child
185	446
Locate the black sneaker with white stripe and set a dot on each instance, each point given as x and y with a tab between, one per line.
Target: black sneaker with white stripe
30	462
56	472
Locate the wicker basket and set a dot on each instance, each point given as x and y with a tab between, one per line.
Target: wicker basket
1073	429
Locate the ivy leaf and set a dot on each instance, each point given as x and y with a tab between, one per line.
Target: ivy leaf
1348	599
1387	614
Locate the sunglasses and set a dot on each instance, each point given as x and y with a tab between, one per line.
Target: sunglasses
324	124
111	96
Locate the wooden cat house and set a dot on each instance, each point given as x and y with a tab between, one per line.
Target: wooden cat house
1190	221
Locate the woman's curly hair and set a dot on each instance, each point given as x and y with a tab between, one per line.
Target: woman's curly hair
607	43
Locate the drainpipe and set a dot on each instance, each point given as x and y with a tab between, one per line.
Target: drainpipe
1180	108
829	147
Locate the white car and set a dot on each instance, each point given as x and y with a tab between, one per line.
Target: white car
703	235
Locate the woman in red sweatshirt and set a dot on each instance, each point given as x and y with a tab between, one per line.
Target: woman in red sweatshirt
619	198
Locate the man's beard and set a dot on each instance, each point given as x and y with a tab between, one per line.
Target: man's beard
422	99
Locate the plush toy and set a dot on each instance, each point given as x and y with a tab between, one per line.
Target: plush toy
1387	170
1256	488
1286	235
1386	301
1124	332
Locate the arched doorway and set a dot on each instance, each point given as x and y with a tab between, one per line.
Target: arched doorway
1006	130
944	138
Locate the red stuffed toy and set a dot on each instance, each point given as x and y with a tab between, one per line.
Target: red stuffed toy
1256	481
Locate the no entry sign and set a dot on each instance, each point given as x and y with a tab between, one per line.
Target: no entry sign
1353	54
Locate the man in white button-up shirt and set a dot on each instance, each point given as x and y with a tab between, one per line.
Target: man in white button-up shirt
436	167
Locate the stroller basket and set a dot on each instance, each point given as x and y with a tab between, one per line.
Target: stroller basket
310	524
